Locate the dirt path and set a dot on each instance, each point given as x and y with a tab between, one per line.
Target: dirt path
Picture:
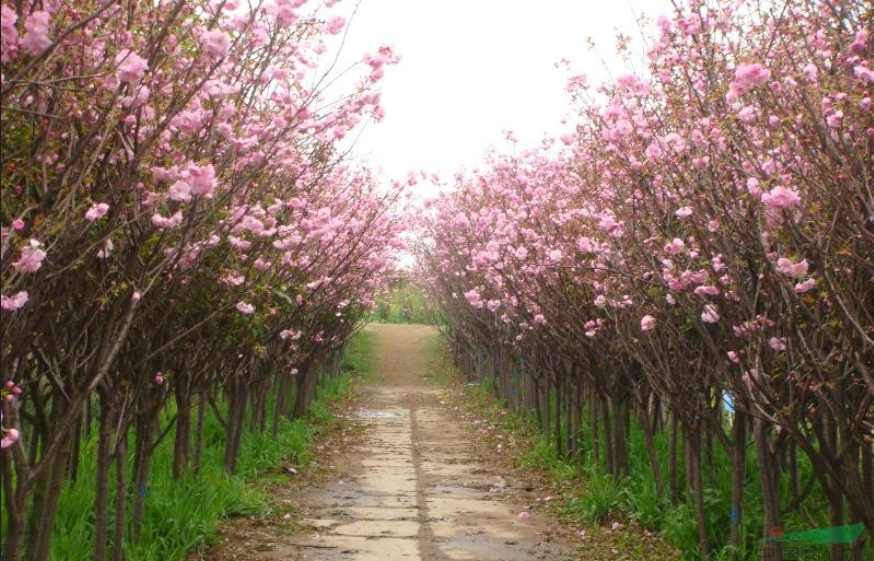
411	488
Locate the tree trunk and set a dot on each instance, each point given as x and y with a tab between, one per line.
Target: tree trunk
120	498
101	496
182	441
279	405
593	415
559	395
695	477
770	496
76	450
738	476
673	479
608	431
198	443
14	512
145	434
47	494
237	399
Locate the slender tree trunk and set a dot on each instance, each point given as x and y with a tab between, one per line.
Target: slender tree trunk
236	420
738	476
47	493
279	405
13	536
594	401
547	410
559	395
576	419
120	498
770	497
145	435
867	461
198	443
101	496
76	445
832	488
695	476
608	431
50	507
673	479
793	471
182	441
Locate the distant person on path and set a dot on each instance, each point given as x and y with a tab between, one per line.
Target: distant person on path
408	314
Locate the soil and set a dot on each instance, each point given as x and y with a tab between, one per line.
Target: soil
404	480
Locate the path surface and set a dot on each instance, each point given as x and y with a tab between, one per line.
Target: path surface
412	488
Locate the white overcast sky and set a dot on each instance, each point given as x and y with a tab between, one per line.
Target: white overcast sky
472	69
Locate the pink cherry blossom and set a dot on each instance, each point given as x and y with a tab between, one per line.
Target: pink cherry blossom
748	76
131	67
18	224
36	27
805	286
777	343
216	43
781	198
96	211
684	212
710	314
104	253
159	378
647	323
15	302
707	291
865	73
790	269
8	34
676	247
32	256
179	191
245	308
164	222
10	437
474	298
202	180
335	25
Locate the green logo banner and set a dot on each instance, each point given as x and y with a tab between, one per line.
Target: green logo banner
835	534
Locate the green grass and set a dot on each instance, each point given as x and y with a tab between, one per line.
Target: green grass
358	356
183	515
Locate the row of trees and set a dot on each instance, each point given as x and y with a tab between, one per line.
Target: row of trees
179	232
698	257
